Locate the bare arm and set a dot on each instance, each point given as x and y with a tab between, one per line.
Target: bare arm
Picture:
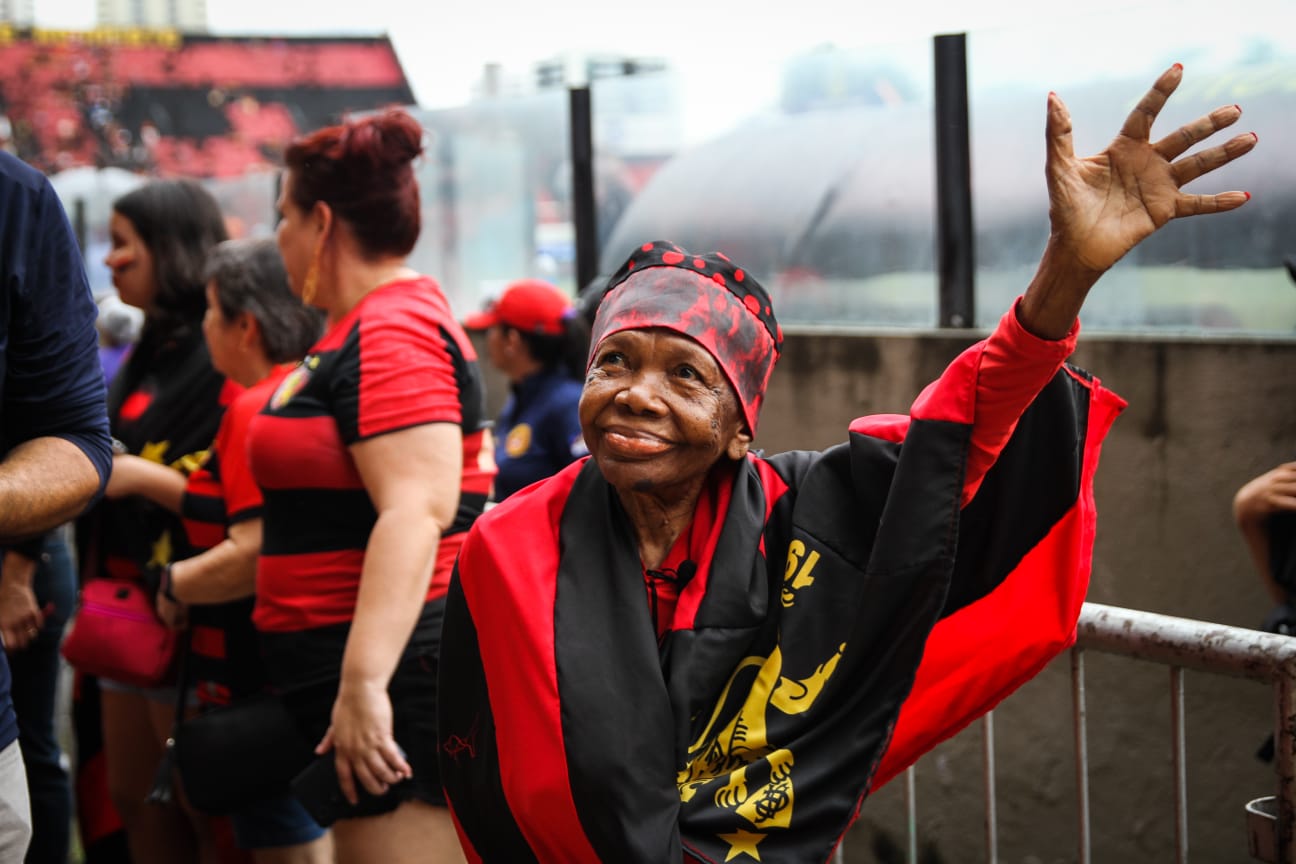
133	475
44	482
412	477
225	572
1253	505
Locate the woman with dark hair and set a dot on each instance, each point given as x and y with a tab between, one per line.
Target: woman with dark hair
164	405
681	650
535	336
371	459
255	329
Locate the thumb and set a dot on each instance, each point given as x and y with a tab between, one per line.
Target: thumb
326	743
1059	145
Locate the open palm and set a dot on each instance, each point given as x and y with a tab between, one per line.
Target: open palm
1102	206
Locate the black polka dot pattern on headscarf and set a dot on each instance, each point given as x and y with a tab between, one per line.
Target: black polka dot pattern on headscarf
716	265
704	297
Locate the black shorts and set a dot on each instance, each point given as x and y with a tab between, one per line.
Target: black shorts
305	668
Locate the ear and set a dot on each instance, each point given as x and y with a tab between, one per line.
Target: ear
250	330
322	216
739	445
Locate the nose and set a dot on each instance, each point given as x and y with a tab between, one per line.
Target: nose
640	394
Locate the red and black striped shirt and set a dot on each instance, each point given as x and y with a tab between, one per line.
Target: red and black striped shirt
398	359
221	493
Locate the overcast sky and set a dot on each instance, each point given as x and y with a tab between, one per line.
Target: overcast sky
443	46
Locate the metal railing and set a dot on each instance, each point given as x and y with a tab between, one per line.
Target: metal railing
1179	643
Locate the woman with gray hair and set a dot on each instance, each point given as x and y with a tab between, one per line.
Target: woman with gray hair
255	330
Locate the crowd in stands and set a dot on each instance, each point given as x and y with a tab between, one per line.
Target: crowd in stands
171	105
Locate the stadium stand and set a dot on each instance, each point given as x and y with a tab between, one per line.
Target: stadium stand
170	104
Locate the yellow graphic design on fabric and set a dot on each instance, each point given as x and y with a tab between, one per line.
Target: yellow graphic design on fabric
795	696
155	451
796	575
161	550
742	843
190	462
744	737
518	441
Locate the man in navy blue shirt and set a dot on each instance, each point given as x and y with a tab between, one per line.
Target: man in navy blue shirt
55	453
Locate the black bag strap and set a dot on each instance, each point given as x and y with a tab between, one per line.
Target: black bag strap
164	779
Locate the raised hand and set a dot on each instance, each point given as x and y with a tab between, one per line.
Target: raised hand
1102	206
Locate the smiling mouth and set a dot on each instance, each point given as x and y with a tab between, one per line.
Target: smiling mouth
634	444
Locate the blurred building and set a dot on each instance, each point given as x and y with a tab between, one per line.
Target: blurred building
17	12
168	103
187	16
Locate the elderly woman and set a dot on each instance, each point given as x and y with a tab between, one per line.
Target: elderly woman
680	650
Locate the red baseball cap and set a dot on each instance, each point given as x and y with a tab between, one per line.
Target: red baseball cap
528	305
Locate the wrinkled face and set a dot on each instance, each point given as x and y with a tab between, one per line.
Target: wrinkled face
657	412
221	333
131	264
295	235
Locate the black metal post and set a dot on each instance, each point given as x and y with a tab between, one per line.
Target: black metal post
954	232
582	160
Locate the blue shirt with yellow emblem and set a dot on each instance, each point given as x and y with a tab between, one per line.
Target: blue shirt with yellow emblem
538	432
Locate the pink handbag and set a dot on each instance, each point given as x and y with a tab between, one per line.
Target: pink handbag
117	635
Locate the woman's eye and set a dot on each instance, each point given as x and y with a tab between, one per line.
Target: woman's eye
612	358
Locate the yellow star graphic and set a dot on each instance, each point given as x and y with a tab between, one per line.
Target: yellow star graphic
161	549
742	843
155	451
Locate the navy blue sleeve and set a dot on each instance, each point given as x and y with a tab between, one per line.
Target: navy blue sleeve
562	425
53	382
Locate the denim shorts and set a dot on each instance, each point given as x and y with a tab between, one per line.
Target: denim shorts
165	694
274	823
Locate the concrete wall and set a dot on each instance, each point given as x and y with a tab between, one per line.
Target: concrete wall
1204	417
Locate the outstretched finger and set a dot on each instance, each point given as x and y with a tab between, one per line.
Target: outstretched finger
1138	125
1060	147
1197	205
1177	142
1191	167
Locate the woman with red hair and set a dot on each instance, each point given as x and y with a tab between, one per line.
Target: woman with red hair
373	459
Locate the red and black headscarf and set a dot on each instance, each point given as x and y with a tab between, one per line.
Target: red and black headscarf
705	297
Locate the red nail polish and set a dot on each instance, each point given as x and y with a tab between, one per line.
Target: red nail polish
1179	66
1248	194
1255	136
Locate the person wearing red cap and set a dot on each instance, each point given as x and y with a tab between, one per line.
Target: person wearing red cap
536	338
683	650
